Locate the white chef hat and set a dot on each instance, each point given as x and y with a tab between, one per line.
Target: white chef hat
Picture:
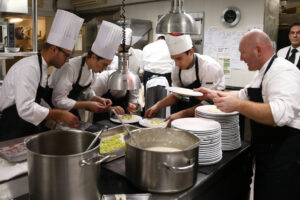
108	40
179	44
159	35
128	36
64	30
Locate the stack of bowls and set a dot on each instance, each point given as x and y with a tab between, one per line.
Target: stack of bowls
229	123
209	133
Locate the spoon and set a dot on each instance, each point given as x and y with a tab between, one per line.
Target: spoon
96	138
128	131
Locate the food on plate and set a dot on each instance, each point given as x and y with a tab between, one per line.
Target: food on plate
112	143
156	122
214	110
127	117
163	149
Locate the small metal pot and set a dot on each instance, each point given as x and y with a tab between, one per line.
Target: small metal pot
162	172
60	169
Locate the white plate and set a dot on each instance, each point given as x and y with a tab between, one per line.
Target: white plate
196	124
127	119
184	91
153	123
213	110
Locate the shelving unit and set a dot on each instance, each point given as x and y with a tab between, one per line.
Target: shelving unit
4	56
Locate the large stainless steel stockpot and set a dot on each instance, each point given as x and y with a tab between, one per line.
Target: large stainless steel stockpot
162	172
60	169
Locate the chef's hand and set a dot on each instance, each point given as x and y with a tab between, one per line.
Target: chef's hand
94	106
119	110
132	107
105	102
227	102
173	117
207	93
151	112
66	117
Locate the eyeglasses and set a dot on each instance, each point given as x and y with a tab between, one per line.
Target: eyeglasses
293	33
65	53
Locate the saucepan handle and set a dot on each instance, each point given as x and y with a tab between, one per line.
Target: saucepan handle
94	160
187	168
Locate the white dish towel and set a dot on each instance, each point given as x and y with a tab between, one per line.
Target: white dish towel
9	170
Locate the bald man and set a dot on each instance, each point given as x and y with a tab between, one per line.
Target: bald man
271	102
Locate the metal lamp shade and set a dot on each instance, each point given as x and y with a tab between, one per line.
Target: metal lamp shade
177	21
123	79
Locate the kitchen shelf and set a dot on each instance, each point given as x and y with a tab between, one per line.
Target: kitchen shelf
6	55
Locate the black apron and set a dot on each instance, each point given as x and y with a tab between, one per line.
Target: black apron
288	55
78	89
12	125
277	156
187	102
122	101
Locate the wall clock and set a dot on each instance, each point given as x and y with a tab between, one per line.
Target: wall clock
231	16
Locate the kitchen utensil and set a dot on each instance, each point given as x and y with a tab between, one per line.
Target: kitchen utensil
115	131
163	172
97	137
59	167
128	131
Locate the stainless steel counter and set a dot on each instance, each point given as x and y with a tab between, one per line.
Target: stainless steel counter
227	179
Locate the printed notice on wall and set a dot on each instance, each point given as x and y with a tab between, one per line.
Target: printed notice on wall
224	61
218	43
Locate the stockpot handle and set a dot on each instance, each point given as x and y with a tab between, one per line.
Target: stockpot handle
179	169
90	161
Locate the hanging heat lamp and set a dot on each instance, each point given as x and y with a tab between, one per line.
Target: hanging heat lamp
177	22
123	78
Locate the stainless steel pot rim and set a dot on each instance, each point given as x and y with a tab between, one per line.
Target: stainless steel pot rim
159	152
28	139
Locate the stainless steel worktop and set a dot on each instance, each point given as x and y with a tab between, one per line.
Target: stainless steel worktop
224	180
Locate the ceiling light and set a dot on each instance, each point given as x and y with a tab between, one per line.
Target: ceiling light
177	21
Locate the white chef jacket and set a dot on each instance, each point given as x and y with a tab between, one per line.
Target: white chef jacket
135	60
280	88
157	59
20	88
282	53
100	87
61	80
211	74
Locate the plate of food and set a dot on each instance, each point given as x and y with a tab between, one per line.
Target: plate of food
153	123
184	91
127	118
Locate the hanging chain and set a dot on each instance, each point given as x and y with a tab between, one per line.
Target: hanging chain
123	27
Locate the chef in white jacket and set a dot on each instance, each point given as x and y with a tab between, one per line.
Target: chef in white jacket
136	57
23	93
292	52
192	70
158	65
122	100
72	83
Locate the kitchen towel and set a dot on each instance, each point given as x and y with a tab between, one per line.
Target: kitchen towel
10	170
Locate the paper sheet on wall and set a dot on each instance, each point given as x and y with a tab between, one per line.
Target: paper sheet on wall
224	61
218	43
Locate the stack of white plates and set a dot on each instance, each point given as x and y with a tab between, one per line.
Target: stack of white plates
209	132
229	123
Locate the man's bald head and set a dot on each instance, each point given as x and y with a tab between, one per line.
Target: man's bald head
257	37
256	49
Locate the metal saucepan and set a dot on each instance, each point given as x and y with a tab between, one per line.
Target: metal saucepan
59	167
162	172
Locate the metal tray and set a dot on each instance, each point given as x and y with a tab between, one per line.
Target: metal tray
14	153
144	196
117	153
